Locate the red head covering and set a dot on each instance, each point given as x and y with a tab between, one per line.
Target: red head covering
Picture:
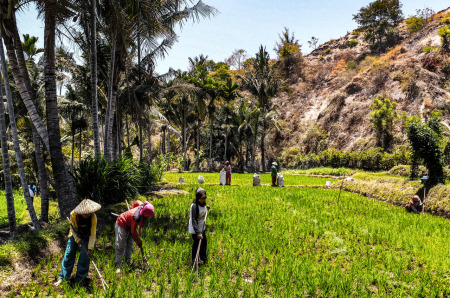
147	210
227	162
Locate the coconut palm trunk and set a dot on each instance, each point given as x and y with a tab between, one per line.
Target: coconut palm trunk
20	75
93	65
65	199
7	170
141	144
40	160
184	136
263	136
110	108
15	134
210	148
197	160
149	133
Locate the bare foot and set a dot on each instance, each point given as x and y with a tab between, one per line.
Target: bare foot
56	284
118	271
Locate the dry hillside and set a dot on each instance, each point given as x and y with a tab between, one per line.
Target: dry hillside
340	81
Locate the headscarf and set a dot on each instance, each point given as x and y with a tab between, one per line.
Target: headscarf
146	210
227	162
200	193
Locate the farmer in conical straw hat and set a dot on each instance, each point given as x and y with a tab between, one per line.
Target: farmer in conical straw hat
126	230
83	230
273	173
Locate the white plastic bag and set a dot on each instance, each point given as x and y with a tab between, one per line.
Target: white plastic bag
223	177
256	180
280	180
201	180
181	180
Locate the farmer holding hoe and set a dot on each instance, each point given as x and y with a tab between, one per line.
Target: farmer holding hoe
197	225
126	230
227	169
273	173
83	230
414	205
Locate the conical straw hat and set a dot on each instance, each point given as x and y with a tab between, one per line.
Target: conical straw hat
86	207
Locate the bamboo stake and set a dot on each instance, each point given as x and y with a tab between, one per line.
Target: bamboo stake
128	206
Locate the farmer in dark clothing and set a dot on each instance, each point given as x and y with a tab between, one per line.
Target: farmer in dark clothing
415	205
197	224
83	227
273	173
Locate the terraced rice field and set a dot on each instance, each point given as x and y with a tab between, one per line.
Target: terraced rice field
273	242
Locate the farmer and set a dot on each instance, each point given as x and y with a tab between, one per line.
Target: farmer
414	205
32	193
197	224
273	173
227	169
126	230
83	229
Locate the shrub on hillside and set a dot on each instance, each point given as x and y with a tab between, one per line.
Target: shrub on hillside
352	43
444	33
414	24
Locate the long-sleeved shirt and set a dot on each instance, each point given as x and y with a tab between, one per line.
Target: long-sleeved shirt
197	220
126	222
74	220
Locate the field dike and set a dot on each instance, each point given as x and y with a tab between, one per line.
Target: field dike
397	191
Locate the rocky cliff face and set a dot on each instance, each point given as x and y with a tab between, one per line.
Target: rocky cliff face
341	78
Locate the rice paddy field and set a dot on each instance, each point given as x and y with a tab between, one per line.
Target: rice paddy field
271	242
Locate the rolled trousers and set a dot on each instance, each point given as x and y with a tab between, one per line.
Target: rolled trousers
69	260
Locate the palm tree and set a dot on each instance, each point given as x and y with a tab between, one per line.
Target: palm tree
229	94
29	46
262	83
93	64
7	169
15	134
144	20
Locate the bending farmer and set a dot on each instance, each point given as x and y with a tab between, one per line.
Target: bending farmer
273	173
83	229
227	169
197	224
414	205
126	226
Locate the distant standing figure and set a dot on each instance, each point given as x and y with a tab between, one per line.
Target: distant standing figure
273	173
414	205
227	169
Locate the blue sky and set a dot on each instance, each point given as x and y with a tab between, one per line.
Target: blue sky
246	24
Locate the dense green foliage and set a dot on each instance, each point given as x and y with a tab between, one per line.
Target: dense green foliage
414	24
425	140
373	159
378	19
265	241
382	118
444	33
113	182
